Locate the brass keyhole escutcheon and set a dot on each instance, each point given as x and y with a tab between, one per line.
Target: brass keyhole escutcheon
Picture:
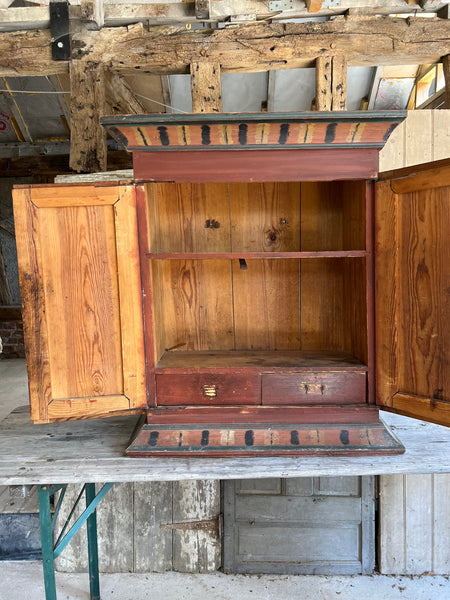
313	388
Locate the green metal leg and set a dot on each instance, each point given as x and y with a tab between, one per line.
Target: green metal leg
91	525
51	551
47	542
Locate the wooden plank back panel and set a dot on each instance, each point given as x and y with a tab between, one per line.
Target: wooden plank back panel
321	216
321	280
266	305
192	217
322	292
266	217
78	257
355	331
196	305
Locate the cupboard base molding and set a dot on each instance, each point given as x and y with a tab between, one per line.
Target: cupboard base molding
263	439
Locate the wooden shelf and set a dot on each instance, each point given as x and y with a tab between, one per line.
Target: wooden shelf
257	255
260	361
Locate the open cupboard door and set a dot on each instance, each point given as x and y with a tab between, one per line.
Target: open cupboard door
79	275
412	293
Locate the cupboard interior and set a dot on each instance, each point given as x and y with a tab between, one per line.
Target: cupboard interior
234	304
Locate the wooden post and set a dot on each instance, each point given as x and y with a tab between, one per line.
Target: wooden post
88	150
339	75
314	5
331	83
324	90
206	89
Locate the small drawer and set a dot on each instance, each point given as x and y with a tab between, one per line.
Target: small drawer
207	389
314	388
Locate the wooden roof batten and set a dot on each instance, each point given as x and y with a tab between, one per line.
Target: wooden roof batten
331	46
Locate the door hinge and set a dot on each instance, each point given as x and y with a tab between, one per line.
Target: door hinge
214	525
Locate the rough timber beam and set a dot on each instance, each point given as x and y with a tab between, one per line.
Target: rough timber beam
248	48
206	89
88	151
120	97
331	83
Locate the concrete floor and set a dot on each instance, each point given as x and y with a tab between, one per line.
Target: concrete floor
25	580
13	385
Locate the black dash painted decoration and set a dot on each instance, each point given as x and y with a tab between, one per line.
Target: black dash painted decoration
389	131
205	437
184	135
163	135
355	131
242	136
180	439
120	137
154	435
141	133
206	135
331	133
284	133
344	437
249	438
306	133
294	438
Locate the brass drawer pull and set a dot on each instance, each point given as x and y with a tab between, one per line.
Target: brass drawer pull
210	390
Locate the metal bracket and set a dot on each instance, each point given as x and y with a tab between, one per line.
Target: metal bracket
276	5
59	28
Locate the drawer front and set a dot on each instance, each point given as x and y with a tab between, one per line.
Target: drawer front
314	388
207	389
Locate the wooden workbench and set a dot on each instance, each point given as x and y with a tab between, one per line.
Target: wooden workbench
92	451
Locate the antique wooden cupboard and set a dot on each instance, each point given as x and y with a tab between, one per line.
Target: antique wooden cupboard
263	298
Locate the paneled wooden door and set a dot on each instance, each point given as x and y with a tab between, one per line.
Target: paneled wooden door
80	285
412	273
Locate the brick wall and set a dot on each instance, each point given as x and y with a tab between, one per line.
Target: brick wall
11	333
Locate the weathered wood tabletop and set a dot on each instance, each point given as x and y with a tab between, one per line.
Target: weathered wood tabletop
93	451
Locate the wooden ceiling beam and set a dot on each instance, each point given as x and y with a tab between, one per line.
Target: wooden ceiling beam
249	48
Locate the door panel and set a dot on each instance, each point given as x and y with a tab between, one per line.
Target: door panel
412	271
80	286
